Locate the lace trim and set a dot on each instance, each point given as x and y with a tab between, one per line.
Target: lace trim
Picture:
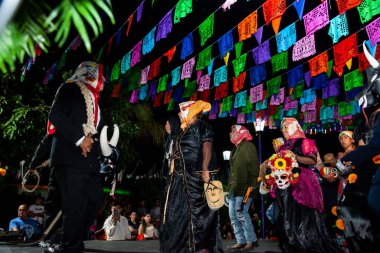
89	127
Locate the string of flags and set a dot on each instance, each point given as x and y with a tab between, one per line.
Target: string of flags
291	73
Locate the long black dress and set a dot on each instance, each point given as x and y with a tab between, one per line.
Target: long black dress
187	223
300	225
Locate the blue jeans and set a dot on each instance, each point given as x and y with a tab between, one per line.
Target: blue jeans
241	221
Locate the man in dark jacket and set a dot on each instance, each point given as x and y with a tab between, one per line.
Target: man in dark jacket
75	119
244	172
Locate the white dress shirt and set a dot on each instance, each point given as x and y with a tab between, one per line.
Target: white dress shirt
120	231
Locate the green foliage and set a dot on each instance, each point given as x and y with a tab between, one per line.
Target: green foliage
36	20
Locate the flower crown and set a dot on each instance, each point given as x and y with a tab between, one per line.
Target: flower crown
283	160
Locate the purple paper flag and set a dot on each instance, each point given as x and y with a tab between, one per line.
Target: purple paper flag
139	11
307	76
259	34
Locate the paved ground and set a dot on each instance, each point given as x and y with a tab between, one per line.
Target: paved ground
133	246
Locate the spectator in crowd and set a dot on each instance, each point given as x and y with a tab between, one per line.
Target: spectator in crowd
36	210
134	225
141	209
24	223
116	226
155	211
147	229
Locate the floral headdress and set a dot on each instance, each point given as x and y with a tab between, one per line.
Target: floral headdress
282	170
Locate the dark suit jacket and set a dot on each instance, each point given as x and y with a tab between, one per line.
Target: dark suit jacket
68	114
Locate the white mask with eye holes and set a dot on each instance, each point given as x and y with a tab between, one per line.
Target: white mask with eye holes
282	178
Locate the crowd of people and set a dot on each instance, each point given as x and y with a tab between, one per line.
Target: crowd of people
317	205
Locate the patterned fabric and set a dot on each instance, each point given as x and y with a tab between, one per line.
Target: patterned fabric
136	54
238	82
182	8
363	62
353	79
240	99
220	75
319	81
168	96
279	61
134	96
154	69
144	75
190	89
261	53
238	46
248	26
258	74
153	88
178	94
344	5
204	83
148	42
143	92
204	58
227	104
227	4
115	74
165	26
242	133
157	99
316	18
273	86
206	29
226	44
176	76
299	6
187	68
261	105
239	64
278	99
187	46
170	53
318	64
293	129
304	48
126	63
139	11
259	34
162	83
367	9
256	93
338	27
286	38
295	76
221	91
373	31
343	51
273	9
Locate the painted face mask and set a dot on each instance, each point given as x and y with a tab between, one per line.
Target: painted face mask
282	170
214	194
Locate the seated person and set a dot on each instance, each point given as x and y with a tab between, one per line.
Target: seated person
134	225
24	223
36	210
116	226
146	229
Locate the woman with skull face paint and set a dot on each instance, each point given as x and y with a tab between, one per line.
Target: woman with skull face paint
298	207
188	223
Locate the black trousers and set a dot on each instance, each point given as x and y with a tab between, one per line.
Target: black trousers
81	194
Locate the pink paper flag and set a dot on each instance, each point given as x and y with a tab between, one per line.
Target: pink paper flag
373	31
316	18
256	93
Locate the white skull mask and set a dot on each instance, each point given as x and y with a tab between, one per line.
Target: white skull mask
282	178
